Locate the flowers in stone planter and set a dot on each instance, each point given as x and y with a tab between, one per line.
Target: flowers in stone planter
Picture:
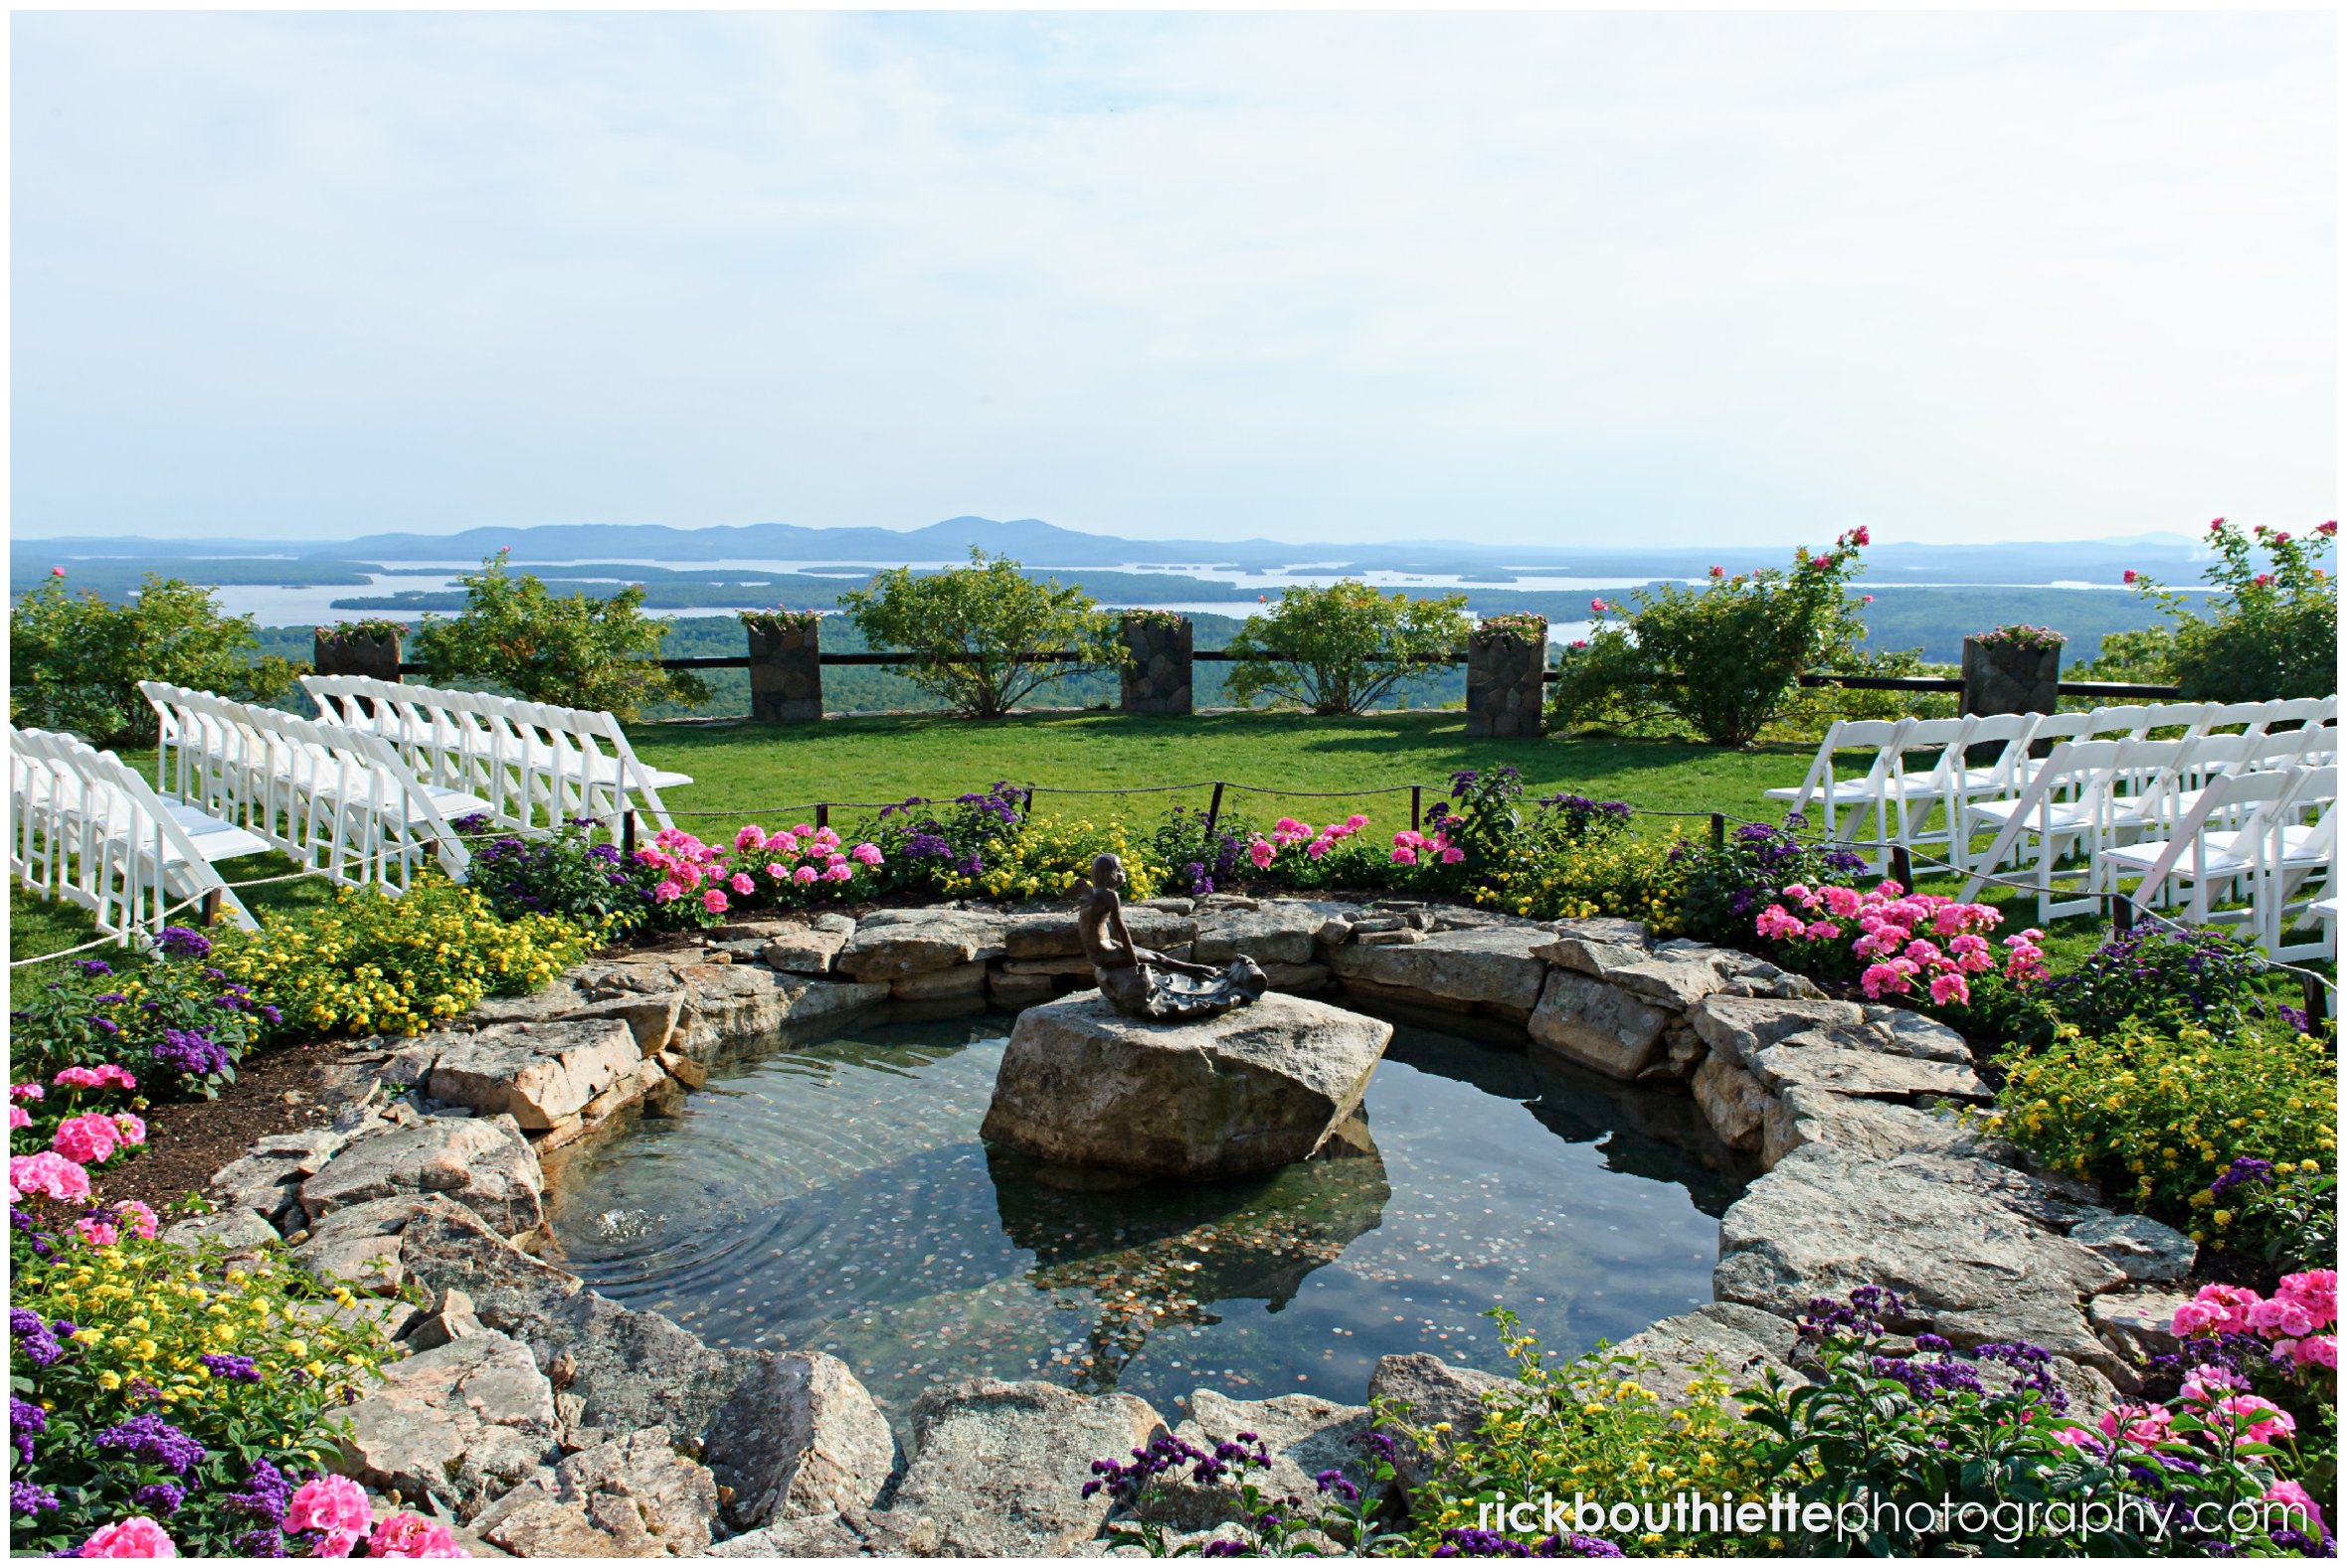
2035	639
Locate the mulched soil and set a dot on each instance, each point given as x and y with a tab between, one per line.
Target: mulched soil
275	1092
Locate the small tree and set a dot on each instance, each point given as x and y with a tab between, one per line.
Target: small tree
75	660
2269	633
1723	658
578	651
1341	648
977	632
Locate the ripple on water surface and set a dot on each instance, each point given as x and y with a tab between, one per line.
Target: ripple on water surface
837	1196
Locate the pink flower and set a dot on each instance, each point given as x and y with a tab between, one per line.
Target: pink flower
777	870
2232	1302
742	883
751	837
1951	988
805	875
406	1536
138	1216
1453	854
2216	524
97	1233
802	829
22	1092
1597	606
2147	1424
1317	848
2316	1290
670	891
17	1116
1580	642
1866	599
137	1536
839	871
78	1078
713	900
2316	1350
2193	1318
48	1173
782	844
132	1129
2128	576
2073	1437
1883	977
1260	852
1720	571
2303	1513
1822	930
1776	922
2280	1320
1404	855
2264	579
1356	822
86	1139
867	853
1842	902
2268	1420
334	1505
57	571
121	1076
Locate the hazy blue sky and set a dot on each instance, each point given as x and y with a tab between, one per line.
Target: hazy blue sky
1557	279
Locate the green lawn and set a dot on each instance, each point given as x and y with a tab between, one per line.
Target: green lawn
746	772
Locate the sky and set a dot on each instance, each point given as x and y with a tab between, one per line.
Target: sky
1561	280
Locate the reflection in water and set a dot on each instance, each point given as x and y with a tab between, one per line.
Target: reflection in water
835	1195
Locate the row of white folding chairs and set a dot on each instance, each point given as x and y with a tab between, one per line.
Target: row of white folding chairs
537	764
1895	794
338	801
2246	833
2090	797
85	828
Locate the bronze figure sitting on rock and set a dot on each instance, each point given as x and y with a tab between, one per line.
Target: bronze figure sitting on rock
1141	983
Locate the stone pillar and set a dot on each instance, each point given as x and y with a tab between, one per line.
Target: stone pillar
1157	674
786	673
349	651
2008	677
1507	656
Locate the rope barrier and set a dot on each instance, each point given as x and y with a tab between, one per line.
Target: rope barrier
116	940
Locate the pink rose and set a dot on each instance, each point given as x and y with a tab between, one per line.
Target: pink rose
406	1536
2128	576
2316	1290
742	883
805	875
336	1507
2300	1511
713	900
137	1536
86	1139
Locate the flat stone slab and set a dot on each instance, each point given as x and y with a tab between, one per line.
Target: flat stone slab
483	1162
1740	1027
460	1424
1874	1129
804	949
800	1438
1725	1339
1598	1026
1486	966
1255	1089
537	1073
2141	1246
1842	1064
1277	930
890	945
1000	1468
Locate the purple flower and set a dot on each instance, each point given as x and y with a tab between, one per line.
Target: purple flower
151	1440
25	1420
2243	1171
93	967
162	1499
267	1491
39	1340
231	1368
178	941
1334	1481
27	1498
190	1051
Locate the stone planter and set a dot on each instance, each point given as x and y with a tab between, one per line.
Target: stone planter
1505	695
2005	677
1158	677
786	673
341	651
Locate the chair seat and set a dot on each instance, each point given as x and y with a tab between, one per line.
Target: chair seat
2060	819
214	839
2299	846
2140	858
1852	790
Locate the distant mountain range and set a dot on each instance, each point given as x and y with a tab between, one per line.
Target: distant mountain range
1033	543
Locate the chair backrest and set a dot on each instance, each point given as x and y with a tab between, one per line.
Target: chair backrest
534	763
2303	710
2010	731
2052	729
2224	715
339	800
2242	797
1850	735
2128	722
2149	774
88	829
2187	715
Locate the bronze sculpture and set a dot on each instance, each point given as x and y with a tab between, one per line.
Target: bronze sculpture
1141	983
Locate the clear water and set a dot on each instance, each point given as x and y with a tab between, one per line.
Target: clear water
837	1196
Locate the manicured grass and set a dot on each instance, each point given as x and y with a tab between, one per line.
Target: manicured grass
749	771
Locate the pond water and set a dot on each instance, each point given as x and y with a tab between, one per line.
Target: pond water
835	1195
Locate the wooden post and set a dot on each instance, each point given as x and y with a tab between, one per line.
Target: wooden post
211	907
628	834
1903	867
1417	795
2318	1000
2122	915
1718	830
822	814
1214	809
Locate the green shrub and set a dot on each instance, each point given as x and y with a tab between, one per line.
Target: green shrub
75	662
368	963
1341	649
2143	657
2157	1114
567	873
1722	659
1807	711
173	1022
1549	874
977	632
2268	635
575	652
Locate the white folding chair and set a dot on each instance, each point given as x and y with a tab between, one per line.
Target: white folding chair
1849	799
338	801
88	831
2065	808
2243	829
1919	784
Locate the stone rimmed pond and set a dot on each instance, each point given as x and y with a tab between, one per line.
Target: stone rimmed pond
832	1193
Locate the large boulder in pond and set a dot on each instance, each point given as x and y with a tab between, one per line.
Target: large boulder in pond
1250	1090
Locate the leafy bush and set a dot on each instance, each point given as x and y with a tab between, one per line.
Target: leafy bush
148	1385
1198	859
2157	1116
2159	976
976	633
1941	1452
371	963
2142	657
1341	649
1727	885
1612	874
75	662
1808	711
1586	1428
924	841
1046	858
171	1021
575	652
567	874
2290	1212
2268	633
1722	659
